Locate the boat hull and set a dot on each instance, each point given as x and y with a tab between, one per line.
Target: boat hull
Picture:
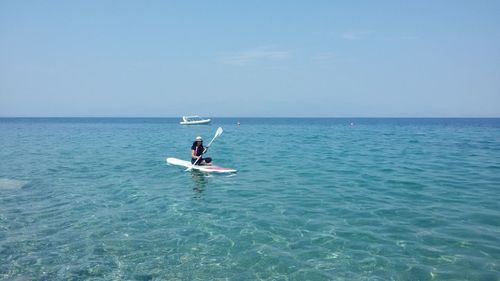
200	122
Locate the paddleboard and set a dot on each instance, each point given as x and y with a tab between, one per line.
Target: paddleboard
205	168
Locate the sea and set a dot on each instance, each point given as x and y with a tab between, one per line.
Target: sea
313	199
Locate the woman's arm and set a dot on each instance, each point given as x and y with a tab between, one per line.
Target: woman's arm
193	154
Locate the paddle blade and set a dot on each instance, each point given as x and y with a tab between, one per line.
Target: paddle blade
219	132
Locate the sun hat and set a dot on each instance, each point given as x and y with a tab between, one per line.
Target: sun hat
198	138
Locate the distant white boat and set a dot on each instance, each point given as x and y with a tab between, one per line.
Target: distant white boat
194	120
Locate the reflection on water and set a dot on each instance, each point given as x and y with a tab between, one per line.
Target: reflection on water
199	181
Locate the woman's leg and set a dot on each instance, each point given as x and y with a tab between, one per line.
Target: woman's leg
207	161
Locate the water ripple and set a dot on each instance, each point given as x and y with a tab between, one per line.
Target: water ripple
315	200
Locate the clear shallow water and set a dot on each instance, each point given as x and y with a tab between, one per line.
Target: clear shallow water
314	199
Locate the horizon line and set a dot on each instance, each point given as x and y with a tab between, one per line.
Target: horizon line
270	117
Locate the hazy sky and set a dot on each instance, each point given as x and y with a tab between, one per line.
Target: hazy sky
250	58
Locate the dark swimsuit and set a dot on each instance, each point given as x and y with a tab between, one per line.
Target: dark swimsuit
198	151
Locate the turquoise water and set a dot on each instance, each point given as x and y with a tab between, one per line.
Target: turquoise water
314	199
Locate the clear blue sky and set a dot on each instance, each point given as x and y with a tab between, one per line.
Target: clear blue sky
250	58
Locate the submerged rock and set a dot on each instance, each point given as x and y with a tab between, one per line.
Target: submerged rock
11	184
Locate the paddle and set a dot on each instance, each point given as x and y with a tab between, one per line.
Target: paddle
217	133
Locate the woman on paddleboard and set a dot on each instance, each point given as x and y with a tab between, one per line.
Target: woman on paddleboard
197	151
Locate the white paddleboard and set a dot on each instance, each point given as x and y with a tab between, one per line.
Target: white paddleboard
209	169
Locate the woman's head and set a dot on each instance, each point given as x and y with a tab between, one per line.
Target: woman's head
198	141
